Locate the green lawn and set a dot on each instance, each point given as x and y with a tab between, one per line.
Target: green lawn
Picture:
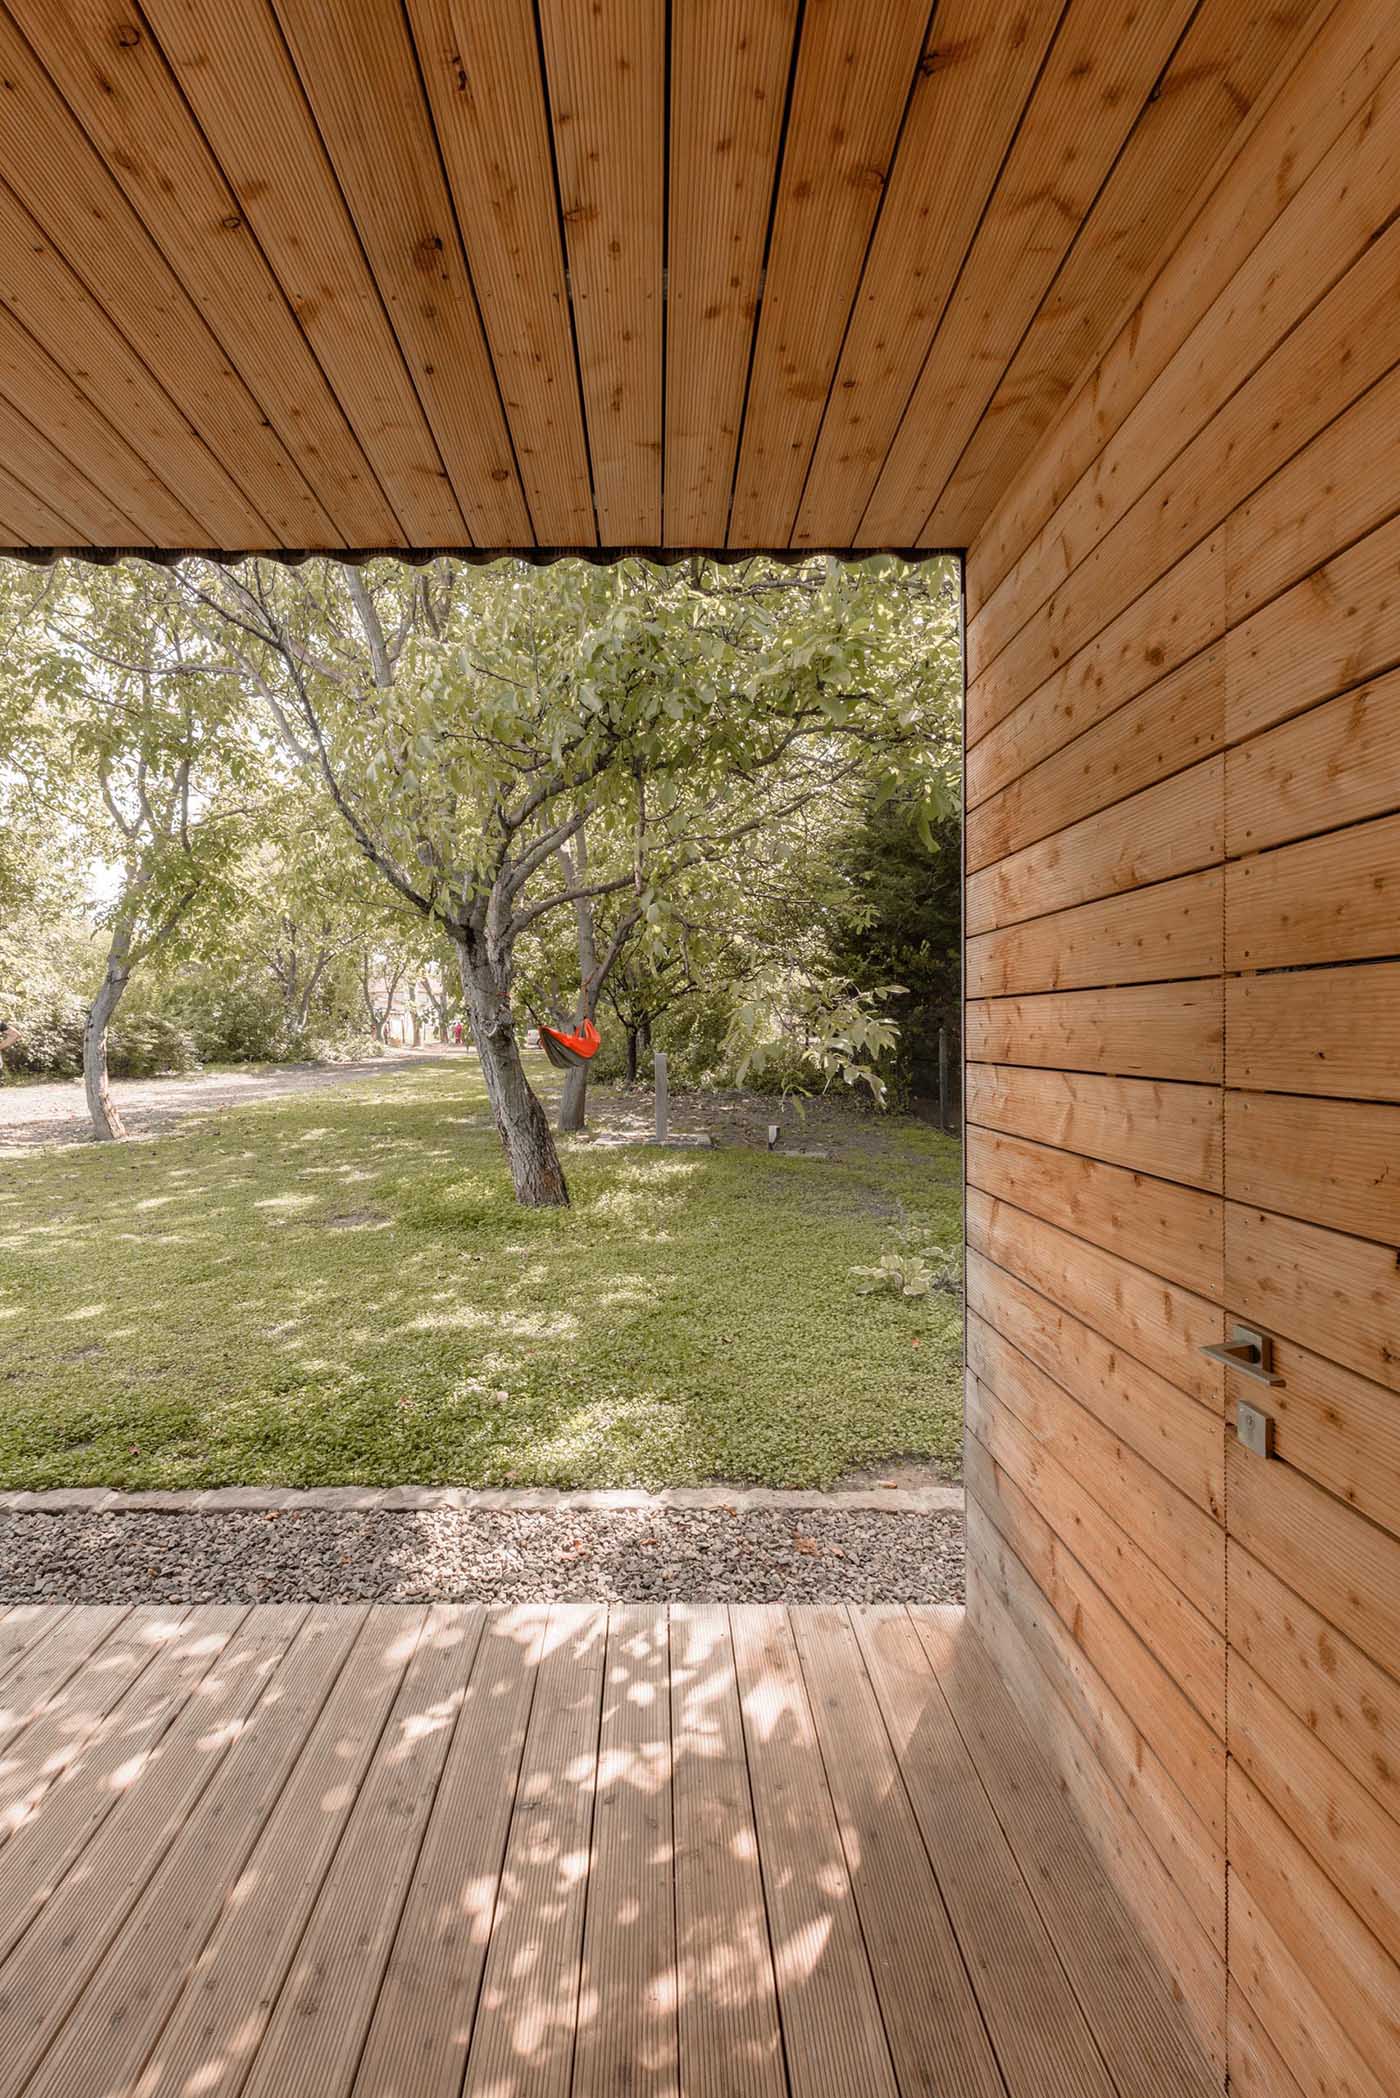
339	1288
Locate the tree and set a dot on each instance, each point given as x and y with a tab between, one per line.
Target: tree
130	736
508	743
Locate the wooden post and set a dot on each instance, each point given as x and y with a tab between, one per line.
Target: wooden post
663	1103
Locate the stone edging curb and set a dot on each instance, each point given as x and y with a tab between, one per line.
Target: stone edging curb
463	1500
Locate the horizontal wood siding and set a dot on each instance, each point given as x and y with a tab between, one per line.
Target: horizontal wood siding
1183	974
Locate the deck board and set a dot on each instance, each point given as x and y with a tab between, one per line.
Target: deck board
550	1852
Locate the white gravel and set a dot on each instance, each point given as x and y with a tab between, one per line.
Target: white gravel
616	1556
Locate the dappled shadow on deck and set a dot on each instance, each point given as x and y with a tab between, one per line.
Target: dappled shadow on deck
554	1849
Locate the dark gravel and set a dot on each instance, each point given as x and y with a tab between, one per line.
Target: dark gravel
323	1556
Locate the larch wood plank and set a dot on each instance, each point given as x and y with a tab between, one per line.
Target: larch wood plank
523	2040
1349	1836
29	519
1149	1030
932	2021
1333	1992
44	1846
729	75
1327	496
1183	1541
606	67
45	295
1326	1162
979	66
123	94
1329	899
313	2042
72	510
1338	626
1341	1429
122	2012
1189	1749
1042	2042
1156	1322
1174	619
1173	1433
1346	1568
1102	1538
212	2035
1337	764
1167	932
418	2041
727	2003
360	76
1350	54
22	1626
833	2032
1334	1032
1256	2066
1198	429
1094	85
1320	369
856	68
46	1973
1170	1131
234	70
1174	725
1350	1705
1114	1778
64	1723
1336	1294
39	1678
1225	65
1172	1231
1137	2024
41	390
246	488
1166	830
627	2031
480	62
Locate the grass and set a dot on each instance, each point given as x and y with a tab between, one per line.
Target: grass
339	1288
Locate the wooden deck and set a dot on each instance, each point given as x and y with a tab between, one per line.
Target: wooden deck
546	1851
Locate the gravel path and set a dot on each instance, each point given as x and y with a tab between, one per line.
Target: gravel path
617	1556
52	1113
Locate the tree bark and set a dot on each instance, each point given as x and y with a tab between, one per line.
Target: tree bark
634	1036
107	1124
573	1099
526	1138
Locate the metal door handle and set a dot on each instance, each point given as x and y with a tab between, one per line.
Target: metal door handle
1249	1351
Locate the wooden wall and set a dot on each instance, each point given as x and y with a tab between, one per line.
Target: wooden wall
1183	1093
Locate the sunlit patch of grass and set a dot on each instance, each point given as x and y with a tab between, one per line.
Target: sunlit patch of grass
690	1318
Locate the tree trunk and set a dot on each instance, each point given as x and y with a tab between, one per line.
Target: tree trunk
107	1124
526	1139
573	1099
634	1036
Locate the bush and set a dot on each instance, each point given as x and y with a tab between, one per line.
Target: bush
149	1046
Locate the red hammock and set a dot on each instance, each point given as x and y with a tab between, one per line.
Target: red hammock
566	1050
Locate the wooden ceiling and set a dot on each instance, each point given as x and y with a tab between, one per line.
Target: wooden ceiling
289	274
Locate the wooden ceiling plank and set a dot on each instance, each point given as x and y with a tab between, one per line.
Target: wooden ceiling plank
47	299
63	183
120	89
70	512
1228	58
606	66
234	70
43	391
480	61
1105	61
977	72
855	69
729	73
359	72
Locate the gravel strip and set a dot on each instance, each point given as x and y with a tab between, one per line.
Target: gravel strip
312	1555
